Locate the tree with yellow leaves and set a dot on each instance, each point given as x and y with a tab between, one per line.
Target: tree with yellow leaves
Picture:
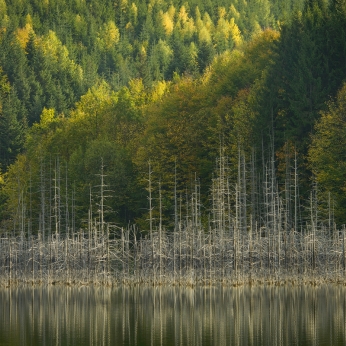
108	36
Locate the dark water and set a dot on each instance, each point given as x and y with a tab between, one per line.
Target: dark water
173	316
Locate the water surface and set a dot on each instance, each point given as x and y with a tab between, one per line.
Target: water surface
173	316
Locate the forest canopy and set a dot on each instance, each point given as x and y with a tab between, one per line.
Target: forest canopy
104	103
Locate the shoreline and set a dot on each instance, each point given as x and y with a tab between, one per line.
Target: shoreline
286	281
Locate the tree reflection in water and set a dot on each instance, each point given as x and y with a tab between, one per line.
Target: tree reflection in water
261	315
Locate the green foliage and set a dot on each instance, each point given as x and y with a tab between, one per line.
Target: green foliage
327	154
11	125
308	70
85	168
184	130
101	131
86	85
54	51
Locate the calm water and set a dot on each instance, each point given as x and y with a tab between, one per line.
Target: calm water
173	316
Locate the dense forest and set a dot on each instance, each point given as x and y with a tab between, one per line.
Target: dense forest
121	111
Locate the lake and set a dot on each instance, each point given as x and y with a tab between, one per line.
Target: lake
143	315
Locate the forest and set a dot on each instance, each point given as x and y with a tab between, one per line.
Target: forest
155	114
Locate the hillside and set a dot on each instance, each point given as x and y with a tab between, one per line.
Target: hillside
107	105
